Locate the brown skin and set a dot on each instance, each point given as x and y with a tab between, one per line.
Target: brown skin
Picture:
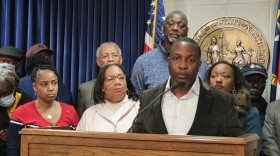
109	54
174	27
115	90
9	60
255	83
46	87
222	78
183	65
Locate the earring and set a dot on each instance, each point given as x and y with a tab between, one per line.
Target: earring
233	91
35	95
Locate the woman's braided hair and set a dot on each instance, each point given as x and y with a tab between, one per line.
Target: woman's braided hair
36	63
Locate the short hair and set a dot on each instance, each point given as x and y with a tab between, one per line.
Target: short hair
9	76
179	13
98	94
188	40
106	44
36	63
238	77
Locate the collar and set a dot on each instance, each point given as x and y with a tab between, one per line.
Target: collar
166	53
123	101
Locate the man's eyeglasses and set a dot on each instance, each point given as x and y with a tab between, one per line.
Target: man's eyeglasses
112	78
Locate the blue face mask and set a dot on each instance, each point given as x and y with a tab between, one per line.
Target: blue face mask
7	101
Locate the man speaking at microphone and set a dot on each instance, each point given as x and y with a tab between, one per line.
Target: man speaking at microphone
191	107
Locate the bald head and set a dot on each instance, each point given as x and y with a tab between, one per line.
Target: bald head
175	26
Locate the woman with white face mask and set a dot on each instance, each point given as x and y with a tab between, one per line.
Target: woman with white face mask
10	98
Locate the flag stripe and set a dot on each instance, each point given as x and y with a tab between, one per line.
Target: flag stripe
275	80
154	23
153	33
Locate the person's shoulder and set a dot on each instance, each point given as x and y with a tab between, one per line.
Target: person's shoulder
27	105
92	109
275	105
24	82
146	56
253	111
62	86
23	109
65	106
24	98
25	78
23	94
87	83
133	102
154	90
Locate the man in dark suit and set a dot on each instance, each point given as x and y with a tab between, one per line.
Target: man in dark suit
192	107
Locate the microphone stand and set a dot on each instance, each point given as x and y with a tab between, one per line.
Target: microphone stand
173	87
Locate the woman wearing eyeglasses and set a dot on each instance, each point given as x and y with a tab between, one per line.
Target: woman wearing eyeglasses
116	103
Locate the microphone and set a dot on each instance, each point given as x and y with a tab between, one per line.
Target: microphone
176	85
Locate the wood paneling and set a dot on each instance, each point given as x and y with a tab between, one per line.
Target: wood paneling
48	142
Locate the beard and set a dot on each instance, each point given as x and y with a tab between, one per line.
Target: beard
172	39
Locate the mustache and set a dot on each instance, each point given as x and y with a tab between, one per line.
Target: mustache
254	90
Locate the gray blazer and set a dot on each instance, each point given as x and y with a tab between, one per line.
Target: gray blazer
85	96
271	130
215	115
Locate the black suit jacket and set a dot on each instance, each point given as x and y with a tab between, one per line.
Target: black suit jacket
215	115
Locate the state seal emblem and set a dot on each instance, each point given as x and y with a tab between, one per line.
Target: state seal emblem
232	39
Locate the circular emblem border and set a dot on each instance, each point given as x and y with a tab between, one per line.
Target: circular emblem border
258	45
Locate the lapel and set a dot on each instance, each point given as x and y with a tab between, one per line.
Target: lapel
204	102
157	110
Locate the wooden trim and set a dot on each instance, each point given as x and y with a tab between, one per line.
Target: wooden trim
67	142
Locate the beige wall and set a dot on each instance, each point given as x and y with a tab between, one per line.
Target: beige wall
261	13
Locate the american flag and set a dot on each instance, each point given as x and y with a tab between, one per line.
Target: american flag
153	33
275	80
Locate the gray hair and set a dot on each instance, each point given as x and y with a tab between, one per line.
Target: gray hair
9	76
106	44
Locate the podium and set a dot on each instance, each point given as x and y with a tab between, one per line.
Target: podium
52	142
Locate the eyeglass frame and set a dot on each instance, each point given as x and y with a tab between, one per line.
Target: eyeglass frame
106	78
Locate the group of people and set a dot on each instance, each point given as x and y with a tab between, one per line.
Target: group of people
35	104
170	91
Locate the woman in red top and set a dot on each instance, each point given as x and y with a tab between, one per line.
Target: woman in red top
45	110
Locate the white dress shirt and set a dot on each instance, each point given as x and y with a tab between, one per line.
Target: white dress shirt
178	114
